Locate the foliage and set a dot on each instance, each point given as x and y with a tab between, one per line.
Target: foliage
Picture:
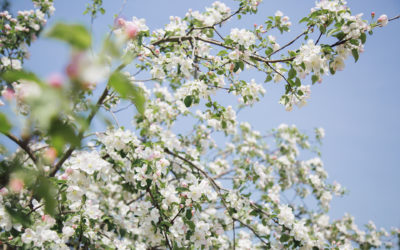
149	188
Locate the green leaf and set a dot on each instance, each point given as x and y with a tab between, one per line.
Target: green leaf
314	78
355	54
241	65
127	90
223	124
47	191
18	216
332	70
62	133
269	78
222	53
300	93
304	19
75	35
297	82
292	73
363	38
188	101
17	75
188	214
5	126
284	238
354	42
237	67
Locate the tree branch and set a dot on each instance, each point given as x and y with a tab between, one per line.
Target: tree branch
23	145
291	42
253	56
71	149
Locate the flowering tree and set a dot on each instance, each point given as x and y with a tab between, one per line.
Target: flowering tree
67	187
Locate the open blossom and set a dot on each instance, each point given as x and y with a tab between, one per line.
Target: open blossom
243	37
212	15
383	20
285	216
129	29
310	54
12	63
28	236
89	162
155	185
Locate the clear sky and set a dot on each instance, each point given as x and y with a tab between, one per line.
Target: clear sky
359	107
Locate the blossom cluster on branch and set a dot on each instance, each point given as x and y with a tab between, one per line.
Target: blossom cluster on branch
151	187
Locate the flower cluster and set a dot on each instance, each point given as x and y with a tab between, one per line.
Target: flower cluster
157	185
19	31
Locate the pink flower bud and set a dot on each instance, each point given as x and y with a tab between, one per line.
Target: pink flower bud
131	30
16	185
72	70
372	14
50	154
69	171
4	191
55	80
8	94
383	20
121	22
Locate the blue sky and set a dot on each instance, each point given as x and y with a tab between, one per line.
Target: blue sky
359	107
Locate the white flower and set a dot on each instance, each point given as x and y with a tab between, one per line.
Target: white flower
89	162
285	216
320	132
169	194
14	63
243	37
310	54
93	211
68	232
28	236
278	13
383	20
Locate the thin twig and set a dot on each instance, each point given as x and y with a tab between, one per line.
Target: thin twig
290	43
71	149
23	145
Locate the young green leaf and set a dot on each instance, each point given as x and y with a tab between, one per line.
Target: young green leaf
292	73
355	54
5	126
75	35
127	90
17	75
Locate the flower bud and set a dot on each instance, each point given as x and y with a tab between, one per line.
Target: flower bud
16	185
8	94
121	22
131	30
55	80
383	20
